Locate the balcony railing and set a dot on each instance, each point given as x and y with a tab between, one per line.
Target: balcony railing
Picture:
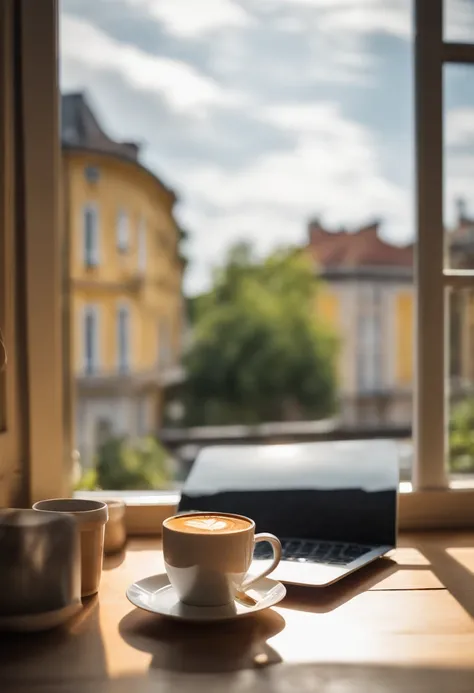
120	380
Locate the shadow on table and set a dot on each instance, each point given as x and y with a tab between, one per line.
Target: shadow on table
445	558
330	597
114	560
74	650
301	678
197	648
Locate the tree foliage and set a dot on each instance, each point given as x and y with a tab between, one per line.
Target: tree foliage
461	437
123	465
258	353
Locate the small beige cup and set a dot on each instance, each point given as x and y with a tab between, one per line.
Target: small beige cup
91	516
115	531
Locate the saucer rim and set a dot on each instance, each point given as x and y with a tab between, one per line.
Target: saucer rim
251	611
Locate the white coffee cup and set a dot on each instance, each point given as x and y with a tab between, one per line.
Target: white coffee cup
208	555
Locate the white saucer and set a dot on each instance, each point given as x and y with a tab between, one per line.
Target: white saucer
155	594
29	623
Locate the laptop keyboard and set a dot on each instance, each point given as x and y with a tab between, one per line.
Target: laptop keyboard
310	551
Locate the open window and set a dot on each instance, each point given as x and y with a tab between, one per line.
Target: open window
435	320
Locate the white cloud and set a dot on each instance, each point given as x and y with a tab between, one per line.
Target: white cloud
326	164
394	21
181	85
331	153
459	160
360	16
188	18
459	20
333	170
459	126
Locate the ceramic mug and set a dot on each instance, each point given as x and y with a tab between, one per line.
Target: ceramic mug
40	569
208	555
91	516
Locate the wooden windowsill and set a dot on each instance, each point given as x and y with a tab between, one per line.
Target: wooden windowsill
403	623
441	509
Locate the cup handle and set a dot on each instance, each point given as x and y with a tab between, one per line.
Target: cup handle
275	542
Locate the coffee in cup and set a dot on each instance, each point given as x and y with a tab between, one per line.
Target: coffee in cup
208	555
208	524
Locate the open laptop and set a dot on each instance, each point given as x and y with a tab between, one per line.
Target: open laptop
333	505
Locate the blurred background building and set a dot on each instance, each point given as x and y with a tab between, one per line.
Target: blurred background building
367	297
125	282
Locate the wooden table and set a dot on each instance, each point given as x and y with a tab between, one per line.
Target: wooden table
403	624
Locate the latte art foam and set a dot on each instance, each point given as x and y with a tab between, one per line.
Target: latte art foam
207	524
210	524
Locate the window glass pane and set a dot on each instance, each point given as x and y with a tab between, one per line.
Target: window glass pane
92	174
164	343
91	340
269	147
461	379
459	165
122	230
459	21
91	241
123	327
142	250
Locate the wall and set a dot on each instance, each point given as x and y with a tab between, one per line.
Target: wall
404	337
328	312
337	306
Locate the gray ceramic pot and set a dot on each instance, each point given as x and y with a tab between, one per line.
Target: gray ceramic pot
40	564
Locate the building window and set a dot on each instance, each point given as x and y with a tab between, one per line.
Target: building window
142	246
91	235
123	338
91	174
164	343
369	342
142	416
122	231
91	340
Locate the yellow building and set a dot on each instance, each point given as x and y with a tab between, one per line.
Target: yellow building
125	283
367	299
460	255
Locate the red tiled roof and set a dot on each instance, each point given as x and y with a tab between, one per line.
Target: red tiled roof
361	248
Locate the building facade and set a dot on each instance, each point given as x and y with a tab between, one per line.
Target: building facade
367	299
125	282
460	255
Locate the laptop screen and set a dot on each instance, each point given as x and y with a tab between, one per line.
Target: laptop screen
336	491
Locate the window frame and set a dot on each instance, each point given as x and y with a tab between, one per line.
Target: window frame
49	433
10	447
434	280
431	503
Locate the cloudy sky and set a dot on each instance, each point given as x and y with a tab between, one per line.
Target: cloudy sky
263	113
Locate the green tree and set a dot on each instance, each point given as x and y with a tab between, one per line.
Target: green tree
461	437
126	466
258	352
